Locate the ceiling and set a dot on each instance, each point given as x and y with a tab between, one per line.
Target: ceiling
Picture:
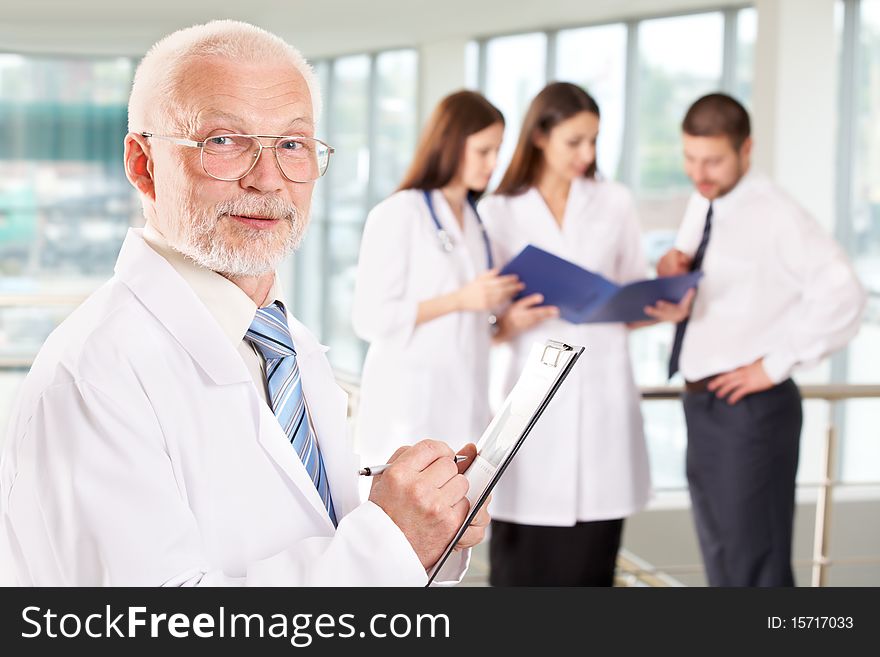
319	27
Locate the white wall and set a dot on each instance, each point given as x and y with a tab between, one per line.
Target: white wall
441	71
795	100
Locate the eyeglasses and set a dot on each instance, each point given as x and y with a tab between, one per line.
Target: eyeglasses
232	157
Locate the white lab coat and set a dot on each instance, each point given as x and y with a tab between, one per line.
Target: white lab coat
140	453
431	380
586	458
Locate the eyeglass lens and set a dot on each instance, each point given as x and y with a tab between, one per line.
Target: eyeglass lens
231	157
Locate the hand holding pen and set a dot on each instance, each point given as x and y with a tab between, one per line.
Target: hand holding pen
374	470
423	491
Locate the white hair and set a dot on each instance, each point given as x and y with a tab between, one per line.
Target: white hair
155	103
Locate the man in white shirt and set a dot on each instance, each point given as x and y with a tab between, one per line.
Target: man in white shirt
180	427
777	293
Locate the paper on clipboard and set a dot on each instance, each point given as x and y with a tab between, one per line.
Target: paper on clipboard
547	366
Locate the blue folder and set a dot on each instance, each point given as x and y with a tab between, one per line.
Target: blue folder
585	297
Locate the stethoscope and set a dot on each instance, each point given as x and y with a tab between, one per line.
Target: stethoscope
446	243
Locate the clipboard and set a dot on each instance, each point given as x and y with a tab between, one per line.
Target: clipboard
546	368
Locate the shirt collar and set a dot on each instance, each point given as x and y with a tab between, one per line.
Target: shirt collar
228	304
734	194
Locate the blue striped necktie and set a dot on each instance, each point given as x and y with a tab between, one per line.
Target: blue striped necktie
271	336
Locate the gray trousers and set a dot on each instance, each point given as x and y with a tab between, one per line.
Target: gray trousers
741	467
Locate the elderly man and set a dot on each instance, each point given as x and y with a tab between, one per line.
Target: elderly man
181	428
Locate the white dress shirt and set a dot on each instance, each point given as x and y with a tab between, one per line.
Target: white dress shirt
775	285
231	307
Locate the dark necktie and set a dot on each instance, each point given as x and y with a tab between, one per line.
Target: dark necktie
696	264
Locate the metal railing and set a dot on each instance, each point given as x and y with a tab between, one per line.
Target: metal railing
833	395
647	574
662	575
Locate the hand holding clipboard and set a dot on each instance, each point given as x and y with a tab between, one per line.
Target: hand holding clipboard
547	366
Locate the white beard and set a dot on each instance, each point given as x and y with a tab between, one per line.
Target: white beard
237	250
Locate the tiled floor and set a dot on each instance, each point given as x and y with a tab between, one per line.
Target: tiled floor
478	572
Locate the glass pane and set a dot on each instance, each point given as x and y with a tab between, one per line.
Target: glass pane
864	351
346	349
861	450
679	60
396	129
814	434
348	122
65	204
860	459
746	33
666	437
308	261
308	274
347	202
595	58
515	72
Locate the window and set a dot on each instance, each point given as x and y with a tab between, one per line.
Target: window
370	119
516	71
677	59
746	34
65	204
670	78
595	58
639	141
859	223
396	129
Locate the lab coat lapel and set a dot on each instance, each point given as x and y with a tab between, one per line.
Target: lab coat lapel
447	219
174	303
544	230
580	196
277	445
165	294
328	404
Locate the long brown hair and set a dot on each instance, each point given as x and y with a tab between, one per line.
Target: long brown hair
441	147
555	103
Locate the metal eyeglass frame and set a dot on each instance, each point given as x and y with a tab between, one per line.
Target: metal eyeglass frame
256	138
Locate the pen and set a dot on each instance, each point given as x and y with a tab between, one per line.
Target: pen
374	470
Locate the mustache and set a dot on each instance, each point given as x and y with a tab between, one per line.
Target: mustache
252	205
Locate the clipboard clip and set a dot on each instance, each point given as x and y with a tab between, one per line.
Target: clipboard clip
552	350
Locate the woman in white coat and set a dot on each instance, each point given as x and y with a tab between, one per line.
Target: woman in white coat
426	288
558	511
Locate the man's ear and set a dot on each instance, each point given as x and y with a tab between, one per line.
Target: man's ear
139	164
745	151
